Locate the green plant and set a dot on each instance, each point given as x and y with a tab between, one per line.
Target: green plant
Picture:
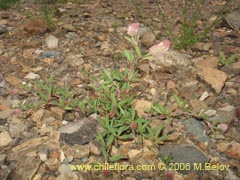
189	33
118	116
135	54
54	96
48	15
223	60
160	109
5	4
166	159
181	103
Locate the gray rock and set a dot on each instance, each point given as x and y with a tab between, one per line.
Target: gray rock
47	54
16	127
64	168
72	36
185	154
2	159
79	132
171	60
233	68
224	115
3	29
4	172
196	128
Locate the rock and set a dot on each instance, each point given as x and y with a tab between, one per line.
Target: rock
202	46
75	59
79	132
5	139
171	85
196	128
77	151
213	77
5	172
142	106
184	153
2	159
57	113
204	96
148	39
224	115
3	22
95	147
43	153
233	20
188	89
33	145
223	146
171	61
47	54
51	42
173	137
144	67
233	68
69	27
36	27
37	117
134	154
72	36
6	113
32	76
209	112
3	29
70	175
26	168
197	105
14	81
70	116
206	61
64	168
16	127
234	150
52	164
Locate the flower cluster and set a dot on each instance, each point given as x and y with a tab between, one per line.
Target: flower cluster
154	52
133	29
160	48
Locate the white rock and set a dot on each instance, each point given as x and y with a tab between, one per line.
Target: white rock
204	96
209	113
51	42
32	76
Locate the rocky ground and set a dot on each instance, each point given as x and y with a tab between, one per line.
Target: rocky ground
81	39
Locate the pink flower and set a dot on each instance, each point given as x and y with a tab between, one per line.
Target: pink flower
133	29
16	112
223	127
158	49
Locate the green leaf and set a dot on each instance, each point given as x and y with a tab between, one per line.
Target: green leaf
129	39
138	51
125	136
116	158
110	139
104	153
121	130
